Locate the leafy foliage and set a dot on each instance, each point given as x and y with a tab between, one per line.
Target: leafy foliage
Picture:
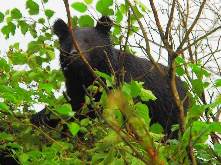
32	6
102	6
86	21
81	7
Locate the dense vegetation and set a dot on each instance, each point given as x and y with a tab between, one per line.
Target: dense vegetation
29	80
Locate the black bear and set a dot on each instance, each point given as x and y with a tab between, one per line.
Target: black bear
97	47
6	158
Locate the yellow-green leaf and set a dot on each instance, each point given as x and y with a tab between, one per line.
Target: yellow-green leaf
81	7
74	128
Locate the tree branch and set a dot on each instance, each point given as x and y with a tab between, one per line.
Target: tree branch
170	20
147	49
192	26
75	44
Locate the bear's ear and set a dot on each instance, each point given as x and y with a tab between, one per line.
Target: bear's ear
60	28
104	24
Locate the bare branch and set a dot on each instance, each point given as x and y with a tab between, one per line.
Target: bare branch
146	40
82	56
192	26
170	20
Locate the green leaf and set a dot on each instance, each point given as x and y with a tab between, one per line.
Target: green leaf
119	117
120	161
79	6
156	128
4	65
179	60
103	98
143	111
126	90
218	83
46	86
215	127
1	17
32	30
196	111
50	54
135	88
97	157
180	71
18	58
85	122
4	107
143	6
217	148
134	29
23	26
123	8
74	21
8	29
41	20
16	45
24	157
132	89
137	12
34	46
16	14
200	130
6	137
86	21
109	157
107	77
88	1
197	86
102	6
198	70
65	110
147	95
74	128
32	6
119	16
19	76
49	13
117	30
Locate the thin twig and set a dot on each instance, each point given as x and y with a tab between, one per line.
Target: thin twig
75	44
170	20
192	26
146	41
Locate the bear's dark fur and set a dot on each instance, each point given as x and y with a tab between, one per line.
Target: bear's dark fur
7	159
96	45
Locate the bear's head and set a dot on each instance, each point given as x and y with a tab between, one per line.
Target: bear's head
94	42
